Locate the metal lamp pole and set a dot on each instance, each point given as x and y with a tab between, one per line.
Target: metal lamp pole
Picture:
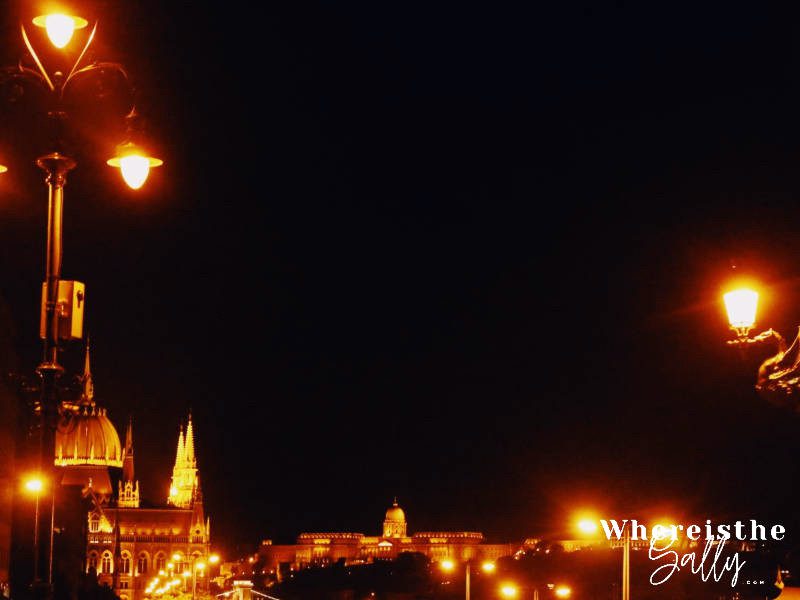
626	566
36	540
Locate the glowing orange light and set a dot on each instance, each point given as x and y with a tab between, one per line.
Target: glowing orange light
509	591
587	526
3	168
563	591
489	567
447	565
135	165
741	306
60	27
664	530
34	484
213	559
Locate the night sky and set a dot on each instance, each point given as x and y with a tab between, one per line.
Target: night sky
468	255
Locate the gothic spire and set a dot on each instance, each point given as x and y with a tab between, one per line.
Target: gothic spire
87	394
184	474
127	462
189	448
180	453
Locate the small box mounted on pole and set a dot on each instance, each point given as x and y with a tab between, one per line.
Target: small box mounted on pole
71	302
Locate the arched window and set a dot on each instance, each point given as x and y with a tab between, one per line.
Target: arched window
94	523
106	563
161	561
141	564
179	562
125	564
91	563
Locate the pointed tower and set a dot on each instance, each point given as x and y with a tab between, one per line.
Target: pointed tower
87	394
184	473
128	496
188	449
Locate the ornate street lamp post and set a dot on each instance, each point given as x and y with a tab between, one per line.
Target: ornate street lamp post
778	379
30	80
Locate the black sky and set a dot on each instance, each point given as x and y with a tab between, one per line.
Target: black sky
467	254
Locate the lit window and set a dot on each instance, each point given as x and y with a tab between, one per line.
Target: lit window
94	523
106	563
141	564
125	564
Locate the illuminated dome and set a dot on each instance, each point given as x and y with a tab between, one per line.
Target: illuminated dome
395	514
87	437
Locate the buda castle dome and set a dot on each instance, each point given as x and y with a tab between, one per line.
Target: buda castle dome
394	526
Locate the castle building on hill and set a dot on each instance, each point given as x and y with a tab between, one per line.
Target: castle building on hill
354	548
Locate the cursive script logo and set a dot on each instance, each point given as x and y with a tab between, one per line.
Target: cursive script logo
675	561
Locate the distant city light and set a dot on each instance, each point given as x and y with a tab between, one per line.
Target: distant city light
509	590
588	526
34	484
447	565
563	591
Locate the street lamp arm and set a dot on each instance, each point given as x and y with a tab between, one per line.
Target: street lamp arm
81	55
779	376
35	57
764	336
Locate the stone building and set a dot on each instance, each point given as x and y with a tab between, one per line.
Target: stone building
354	548
128	543
131	546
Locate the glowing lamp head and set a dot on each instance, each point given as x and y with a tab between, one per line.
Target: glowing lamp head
213	559
488	567
34	484
3	168
563	591
741	306
186	574
447	565
509	591
60	27
200	566
135	166
135	169
176	557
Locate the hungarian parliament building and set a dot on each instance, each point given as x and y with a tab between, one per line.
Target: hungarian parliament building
132	548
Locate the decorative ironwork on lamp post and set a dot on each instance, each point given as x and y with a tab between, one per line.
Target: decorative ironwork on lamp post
57	94
778	378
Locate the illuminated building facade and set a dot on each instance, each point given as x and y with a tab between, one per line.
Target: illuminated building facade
354	548
129	544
